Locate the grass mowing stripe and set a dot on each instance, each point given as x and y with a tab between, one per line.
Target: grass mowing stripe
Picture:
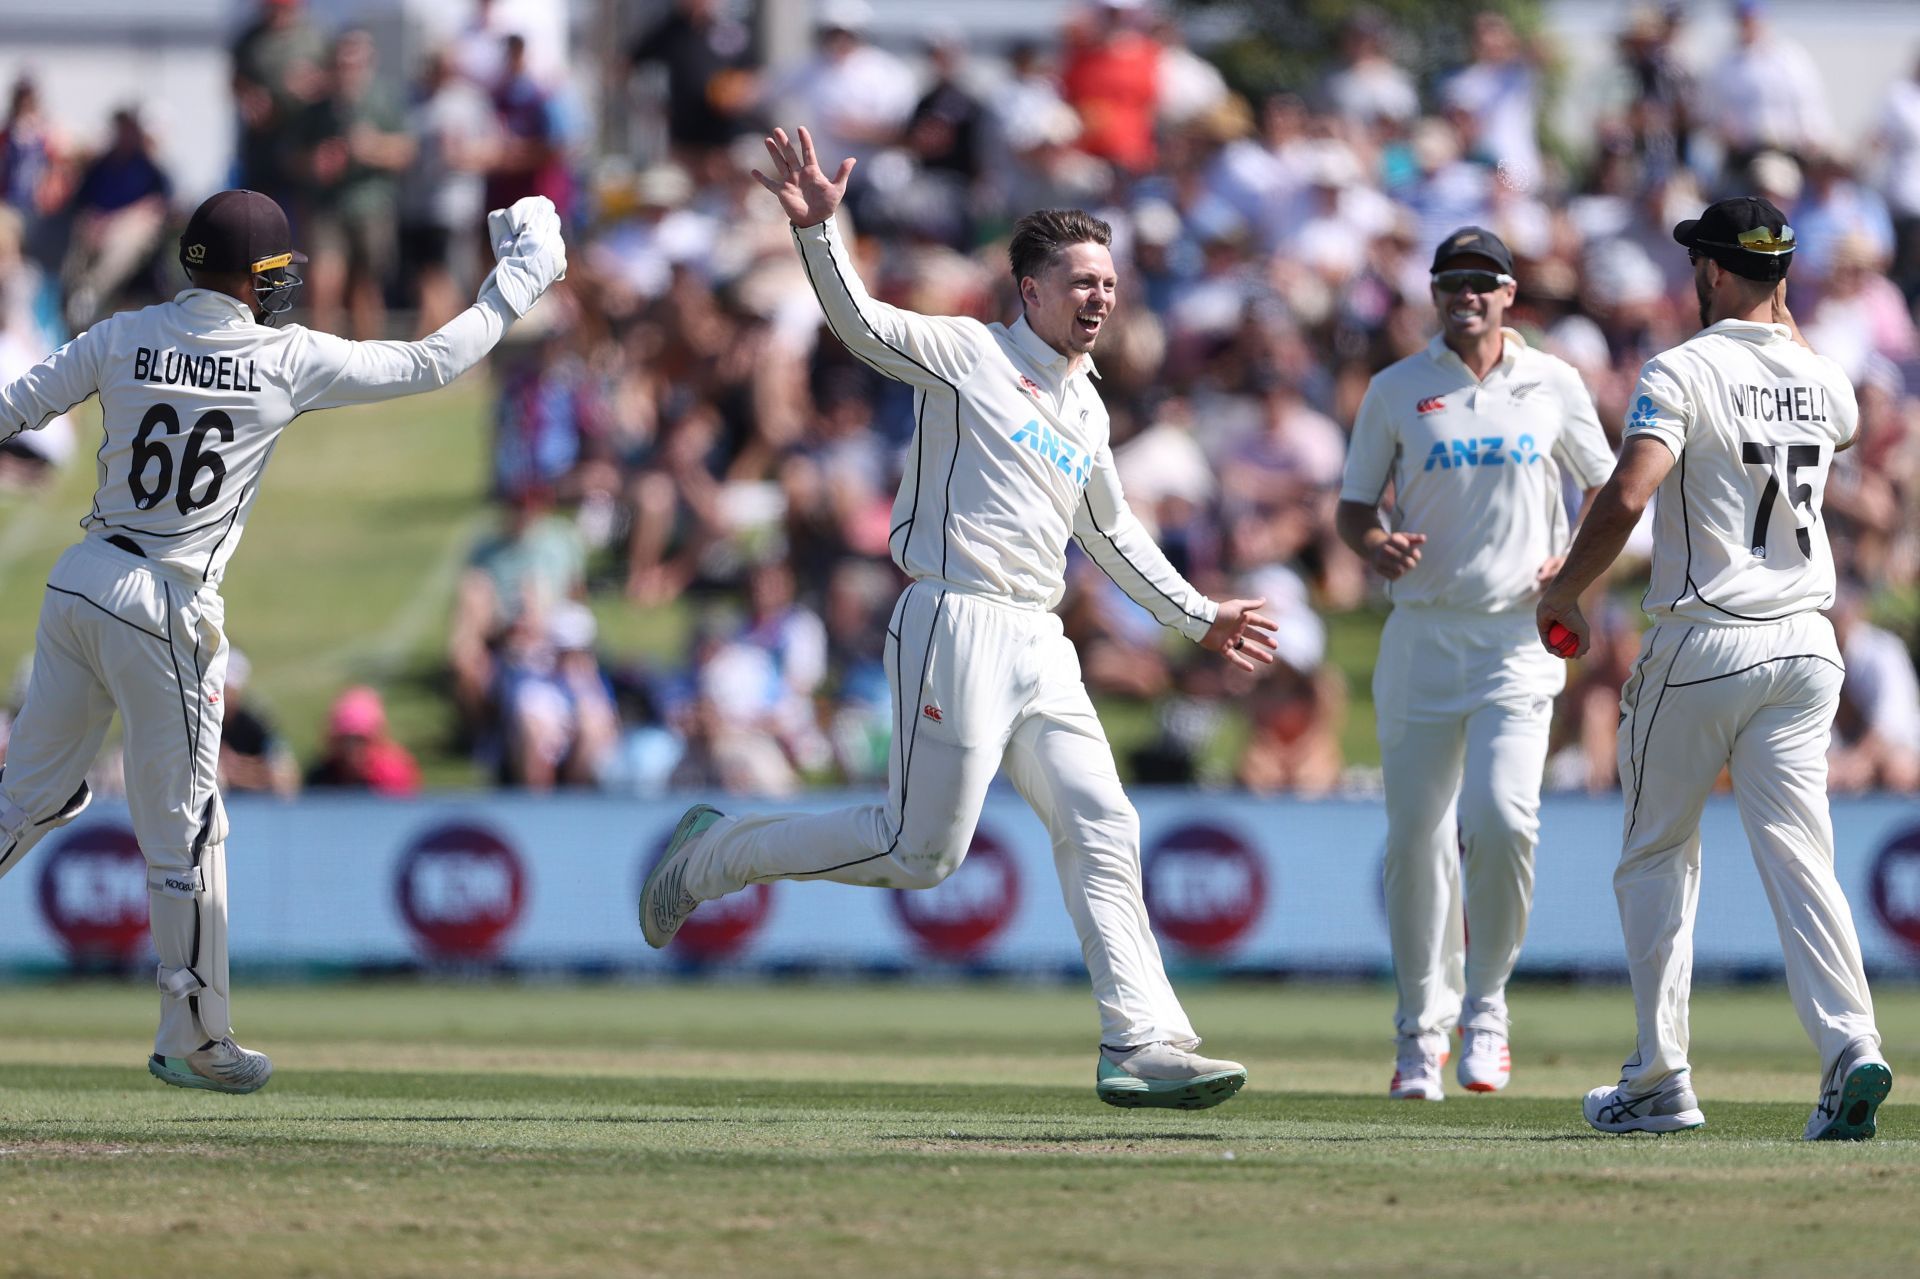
955	1134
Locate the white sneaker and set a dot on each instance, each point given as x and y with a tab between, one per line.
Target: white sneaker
1166	1075
1850	1092
1486	1062
218	1066
1669	1108
1416	1068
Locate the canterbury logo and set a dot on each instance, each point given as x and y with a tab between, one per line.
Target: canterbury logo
1762	240
931	711
1432	404
196	253
1028	385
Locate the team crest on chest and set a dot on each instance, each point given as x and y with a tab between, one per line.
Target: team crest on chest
1030	386
1432	404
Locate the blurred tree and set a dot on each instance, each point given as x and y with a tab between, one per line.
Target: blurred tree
1290	45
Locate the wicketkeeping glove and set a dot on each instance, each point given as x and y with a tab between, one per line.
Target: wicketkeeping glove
529	252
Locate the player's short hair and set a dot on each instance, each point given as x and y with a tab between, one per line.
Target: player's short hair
1041	236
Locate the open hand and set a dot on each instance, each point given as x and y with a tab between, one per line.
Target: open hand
1240	634
806	194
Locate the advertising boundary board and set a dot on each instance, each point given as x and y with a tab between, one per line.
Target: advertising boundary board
1234	884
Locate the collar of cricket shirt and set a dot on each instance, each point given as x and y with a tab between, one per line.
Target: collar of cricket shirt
1037	349
213	302
1510	348
1749	330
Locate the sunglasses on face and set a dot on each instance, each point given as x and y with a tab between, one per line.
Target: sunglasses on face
1472	281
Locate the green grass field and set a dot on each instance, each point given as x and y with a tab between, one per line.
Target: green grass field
897	1130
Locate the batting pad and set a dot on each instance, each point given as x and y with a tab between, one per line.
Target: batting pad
187	905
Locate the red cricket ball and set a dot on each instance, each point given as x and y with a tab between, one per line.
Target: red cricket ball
1561	640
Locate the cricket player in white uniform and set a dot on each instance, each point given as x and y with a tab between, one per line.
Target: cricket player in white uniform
1010	460
1735	431
193	396
1475	433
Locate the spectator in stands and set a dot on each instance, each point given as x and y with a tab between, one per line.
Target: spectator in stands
34	165
1897	138
1369	87
532	157
1300	706
947	130
359	753
532	564
1190	86
1765	94
1656	93
560	724
550	416
859	95
1877	730
278	69
119	212
441	192
253	755
1500	92
1110	75
352	151
1835	208
711	72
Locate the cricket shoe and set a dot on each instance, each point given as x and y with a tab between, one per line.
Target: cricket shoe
1854	1086
665	902
1486	1062
1672	1107
1167	1076
220	1065
1416	1068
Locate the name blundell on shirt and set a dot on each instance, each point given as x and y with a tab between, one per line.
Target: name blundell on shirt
177	368
1782	403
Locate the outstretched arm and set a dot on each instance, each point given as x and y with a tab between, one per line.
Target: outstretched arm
1113	537
927	351
50	387
532	255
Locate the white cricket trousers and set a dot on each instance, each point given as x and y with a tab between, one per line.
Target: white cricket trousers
978	684
117	633
1463	702
1757	700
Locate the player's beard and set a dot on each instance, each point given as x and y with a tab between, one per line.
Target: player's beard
1703	294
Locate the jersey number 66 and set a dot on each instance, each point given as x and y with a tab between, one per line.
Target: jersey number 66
197	460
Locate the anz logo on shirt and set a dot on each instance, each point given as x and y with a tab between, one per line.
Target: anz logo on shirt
1073	462
1484	450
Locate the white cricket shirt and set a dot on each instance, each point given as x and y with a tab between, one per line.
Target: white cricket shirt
1753	418
1010	457
1476	466
193	397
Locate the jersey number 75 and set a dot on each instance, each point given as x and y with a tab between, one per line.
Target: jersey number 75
1771	456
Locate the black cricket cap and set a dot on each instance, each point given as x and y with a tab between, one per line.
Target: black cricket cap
238	232
1745	234
1480	243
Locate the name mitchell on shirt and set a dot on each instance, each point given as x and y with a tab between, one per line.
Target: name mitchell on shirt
177	368
1780	403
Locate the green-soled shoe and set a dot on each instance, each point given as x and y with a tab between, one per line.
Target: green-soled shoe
1168	1078
220	1066
664	900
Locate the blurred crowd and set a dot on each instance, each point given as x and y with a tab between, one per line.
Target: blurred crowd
675	431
